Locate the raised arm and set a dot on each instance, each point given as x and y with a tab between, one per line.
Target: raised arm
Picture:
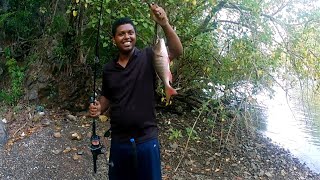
160	16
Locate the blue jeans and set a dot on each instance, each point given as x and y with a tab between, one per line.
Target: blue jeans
135	161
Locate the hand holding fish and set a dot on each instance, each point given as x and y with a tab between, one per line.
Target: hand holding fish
159	15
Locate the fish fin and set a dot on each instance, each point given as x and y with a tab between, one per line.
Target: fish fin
169	92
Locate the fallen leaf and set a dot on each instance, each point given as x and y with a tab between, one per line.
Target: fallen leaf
76	136
68	149
76	157
167	167
23	134
103	118
58	128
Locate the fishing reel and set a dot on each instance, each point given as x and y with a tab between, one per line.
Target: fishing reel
96	149
96	146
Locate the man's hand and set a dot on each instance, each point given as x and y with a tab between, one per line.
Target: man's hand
95	109
159	15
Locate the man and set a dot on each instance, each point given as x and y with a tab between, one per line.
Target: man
128	89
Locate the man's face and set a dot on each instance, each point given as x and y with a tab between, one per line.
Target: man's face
125	38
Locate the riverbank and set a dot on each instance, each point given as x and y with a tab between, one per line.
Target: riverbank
55	146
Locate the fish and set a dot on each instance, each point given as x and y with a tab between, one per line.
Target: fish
161	63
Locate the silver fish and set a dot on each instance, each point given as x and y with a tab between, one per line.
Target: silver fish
161	64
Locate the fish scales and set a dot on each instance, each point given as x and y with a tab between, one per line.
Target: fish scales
161	64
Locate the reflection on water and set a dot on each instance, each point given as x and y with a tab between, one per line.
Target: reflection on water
294	124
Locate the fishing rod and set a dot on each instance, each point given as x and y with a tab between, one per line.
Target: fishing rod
96	146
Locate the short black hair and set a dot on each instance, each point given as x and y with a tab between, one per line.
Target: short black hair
121	21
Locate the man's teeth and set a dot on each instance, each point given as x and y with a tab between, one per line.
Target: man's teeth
127	43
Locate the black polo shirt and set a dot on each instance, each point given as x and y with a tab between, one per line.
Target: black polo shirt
131	91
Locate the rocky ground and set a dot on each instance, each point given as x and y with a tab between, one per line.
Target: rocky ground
54	145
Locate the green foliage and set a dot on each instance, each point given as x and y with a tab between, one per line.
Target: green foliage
61	60
232	49
28	14
3	18
16	74
192	133
175	134
136	10
59	24
18	20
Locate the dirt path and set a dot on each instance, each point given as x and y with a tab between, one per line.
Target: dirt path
49	151
42	156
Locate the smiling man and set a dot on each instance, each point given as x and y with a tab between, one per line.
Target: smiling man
128	89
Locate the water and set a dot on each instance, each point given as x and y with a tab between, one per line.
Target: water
294	123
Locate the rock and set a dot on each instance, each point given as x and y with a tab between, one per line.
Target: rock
71	117
39	109
57	135
193	150
32	95
57	151
174	146
3	134
68	149
268	174
76	136
37	117
45	122
4	121
254	167
283	172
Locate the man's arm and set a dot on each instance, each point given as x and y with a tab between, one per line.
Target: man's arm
105	103
174	43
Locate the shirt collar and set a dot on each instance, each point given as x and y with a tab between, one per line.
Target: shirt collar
135	53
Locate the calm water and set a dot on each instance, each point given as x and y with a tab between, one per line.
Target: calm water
294	123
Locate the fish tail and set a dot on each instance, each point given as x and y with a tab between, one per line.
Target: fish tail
169	92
